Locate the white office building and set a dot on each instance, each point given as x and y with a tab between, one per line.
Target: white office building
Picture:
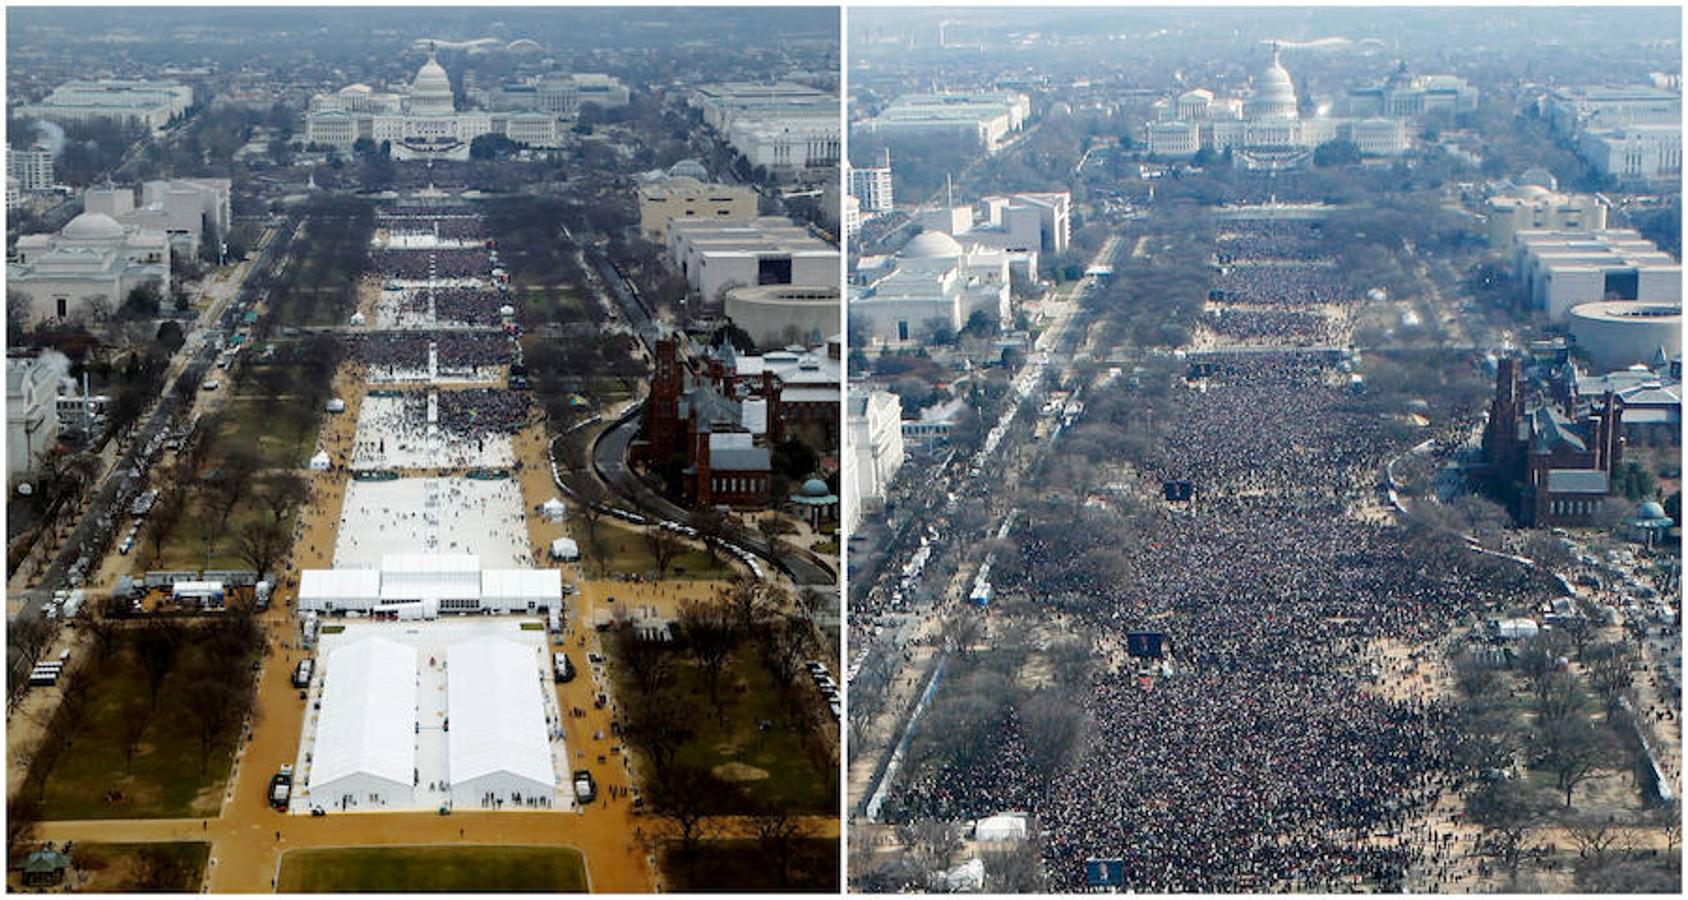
715	256
32	422
1539	207
935	283
88	267
1562	269
148	104
871	185
987	118
788	129
182	208
32	169
1573	110
1635	152
665	197
780	315
874	421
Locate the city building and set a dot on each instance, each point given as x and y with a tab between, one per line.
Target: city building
32	422
88	268
987	118
780	315
1553	469
1635	152
1649	395
933	284
1406	96
1572	110
1265	128
1534	204
1022	225
874	422
31	169
148	104
666	197
561	94
1561	269
1620	333
871	185
420	123
716	255
714	421
182	208
789	130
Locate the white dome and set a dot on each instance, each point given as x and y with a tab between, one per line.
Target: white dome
930	245
92	226
431	91
1274	92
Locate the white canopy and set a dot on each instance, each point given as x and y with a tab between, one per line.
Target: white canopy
415	576
366	731
320	462
498	742
1001	827
553	509
336	405
565	549
507	589
339	589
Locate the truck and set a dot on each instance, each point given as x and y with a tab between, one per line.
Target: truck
302	673
561	668
281	788
585	789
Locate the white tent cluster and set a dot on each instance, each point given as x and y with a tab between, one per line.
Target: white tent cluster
498	744
421	586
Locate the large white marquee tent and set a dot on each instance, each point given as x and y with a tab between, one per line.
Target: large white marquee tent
423	586
365	752
499	746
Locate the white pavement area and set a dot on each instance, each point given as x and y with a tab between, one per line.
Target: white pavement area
412	240
401	433
433	516
431	641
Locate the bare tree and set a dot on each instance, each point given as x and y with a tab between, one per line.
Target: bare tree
1507	811
656	725
687	795
711	638
216	707
665	547
156	649
777	831
262	542
135	716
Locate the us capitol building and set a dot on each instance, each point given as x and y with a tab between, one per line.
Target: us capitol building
422	124
1264	129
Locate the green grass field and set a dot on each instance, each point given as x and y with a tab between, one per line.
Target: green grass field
626	551
132	868
796	780
92	780
434	870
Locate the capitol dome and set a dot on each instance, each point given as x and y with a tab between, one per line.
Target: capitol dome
931	245
431	91
92	226
1274	93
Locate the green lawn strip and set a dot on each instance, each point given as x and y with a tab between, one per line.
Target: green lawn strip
274	428
743	865
796	780
433	869
164	780
626	551
175	868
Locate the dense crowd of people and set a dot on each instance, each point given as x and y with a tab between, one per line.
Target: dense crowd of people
1271	240
1260	759
477	411
1270	324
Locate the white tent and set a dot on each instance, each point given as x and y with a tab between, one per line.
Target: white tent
1001	827
565	549
967	878
553	509
365	752
520	590
442	576
336	405
499	747
320	462
339	590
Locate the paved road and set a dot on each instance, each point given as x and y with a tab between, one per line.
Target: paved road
609	460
